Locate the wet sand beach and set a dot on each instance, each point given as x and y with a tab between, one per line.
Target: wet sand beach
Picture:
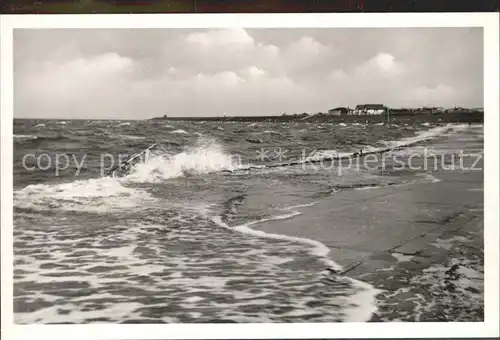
421	244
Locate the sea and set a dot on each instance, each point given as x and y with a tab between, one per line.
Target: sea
180	236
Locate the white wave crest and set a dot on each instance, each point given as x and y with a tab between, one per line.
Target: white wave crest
205	157
423	135
180	131
93	195
25	137
39	125
272	132
419	137
132	137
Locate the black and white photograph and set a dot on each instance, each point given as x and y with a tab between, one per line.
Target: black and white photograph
187	175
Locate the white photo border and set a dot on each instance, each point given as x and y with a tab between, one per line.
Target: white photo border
490	24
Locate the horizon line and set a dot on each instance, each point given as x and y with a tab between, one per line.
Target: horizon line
475	110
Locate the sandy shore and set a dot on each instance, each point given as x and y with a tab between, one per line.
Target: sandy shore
422	245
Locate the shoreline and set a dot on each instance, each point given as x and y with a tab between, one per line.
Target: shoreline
421	245
395	118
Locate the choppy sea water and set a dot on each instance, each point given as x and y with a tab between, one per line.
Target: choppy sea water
173	240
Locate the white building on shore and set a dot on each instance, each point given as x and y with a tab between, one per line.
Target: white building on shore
369	109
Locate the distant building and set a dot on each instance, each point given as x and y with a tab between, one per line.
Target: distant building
369	109
434	110
339	111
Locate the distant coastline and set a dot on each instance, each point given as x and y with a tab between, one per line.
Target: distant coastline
400	116
395	116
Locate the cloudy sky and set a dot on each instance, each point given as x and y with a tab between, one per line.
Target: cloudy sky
142	73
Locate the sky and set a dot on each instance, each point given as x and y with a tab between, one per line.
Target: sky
143	73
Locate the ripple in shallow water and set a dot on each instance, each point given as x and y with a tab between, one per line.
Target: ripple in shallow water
185	270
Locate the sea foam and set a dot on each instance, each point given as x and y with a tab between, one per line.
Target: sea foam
360	306
205	157
93	195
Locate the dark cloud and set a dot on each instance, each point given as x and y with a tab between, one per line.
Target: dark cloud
140	73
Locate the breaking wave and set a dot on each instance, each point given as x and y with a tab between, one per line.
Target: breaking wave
205	157
25	137
93	195
180	131
424	135
34	138
390	145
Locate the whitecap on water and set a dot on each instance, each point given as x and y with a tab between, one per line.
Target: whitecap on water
94	195
423	135
205	157
132	137
180	131
27	137
272	132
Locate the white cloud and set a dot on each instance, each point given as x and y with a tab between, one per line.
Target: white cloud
306	52
380	66
440	94
77	77
306	47
385	62
100	65
232	38
254	72
339	75
221	79
219	50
